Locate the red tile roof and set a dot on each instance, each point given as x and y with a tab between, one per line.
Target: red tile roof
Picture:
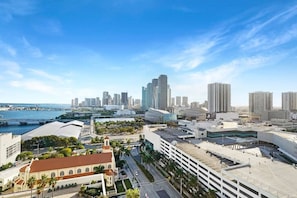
68	162
109	172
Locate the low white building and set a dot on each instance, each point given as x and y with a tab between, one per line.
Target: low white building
159	116
7	176
230	172
10	147
60	129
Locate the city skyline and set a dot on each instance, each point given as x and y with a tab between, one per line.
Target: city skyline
46	56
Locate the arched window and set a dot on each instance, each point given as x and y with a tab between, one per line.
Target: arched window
70	172
62	173
87	170
53	174
79	170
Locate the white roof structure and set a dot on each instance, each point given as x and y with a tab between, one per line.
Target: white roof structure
69	129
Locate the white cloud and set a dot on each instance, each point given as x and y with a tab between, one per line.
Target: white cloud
34	85
7	48
35	52
46	75
10	68
11	8
195	83
259	33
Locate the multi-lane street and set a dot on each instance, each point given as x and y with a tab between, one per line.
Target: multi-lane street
159	188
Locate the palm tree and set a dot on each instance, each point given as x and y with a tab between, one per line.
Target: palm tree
31	182
179	173
43	182
99	169
52	182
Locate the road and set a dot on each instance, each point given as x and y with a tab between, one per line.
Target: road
159	188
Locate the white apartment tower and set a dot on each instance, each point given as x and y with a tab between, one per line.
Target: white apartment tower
289	101
10	147
178	101
219	98
260	103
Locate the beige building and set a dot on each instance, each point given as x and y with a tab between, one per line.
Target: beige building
69	168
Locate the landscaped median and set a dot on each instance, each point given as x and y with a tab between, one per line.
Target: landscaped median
148	175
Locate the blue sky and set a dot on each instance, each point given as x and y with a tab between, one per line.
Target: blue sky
53	51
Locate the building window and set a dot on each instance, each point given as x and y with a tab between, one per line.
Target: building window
87	170
70	172
109	165
79	170
62	173
53	174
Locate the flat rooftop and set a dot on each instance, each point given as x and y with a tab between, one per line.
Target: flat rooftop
273	176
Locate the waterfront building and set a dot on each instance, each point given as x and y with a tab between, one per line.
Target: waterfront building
154	93
219	98
289	101
10	147
74	169
260	103
230	171
60	129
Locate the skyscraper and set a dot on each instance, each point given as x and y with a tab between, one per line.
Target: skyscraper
185	101
178	101
157	94
219	98
124	99
162	92
117	99
105	98
289	101
260	103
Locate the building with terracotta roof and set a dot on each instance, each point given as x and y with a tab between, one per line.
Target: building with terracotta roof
68	168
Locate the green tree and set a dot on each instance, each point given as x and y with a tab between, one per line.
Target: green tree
66	152
99	169
211	194
30	183
42	183
52	182
133	193
180	173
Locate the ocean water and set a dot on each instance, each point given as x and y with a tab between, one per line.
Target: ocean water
50	113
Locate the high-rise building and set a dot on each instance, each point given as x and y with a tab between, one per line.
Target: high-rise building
105	98
117	99
260	103
98	102
157	94
178	101
185	101
289	101
124	99
144	95
219	98
172	101
168	95
162	92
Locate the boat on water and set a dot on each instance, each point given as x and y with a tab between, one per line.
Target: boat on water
4	108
